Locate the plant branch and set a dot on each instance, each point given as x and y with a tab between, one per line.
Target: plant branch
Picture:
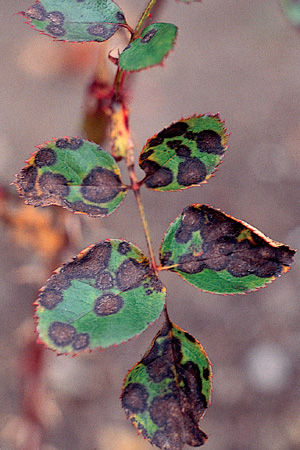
135	186
120	75
144	17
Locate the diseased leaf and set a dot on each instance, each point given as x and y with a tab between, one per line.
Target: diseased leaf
75	174
184	154
219	254
166	394
150	48
104	296
120	135
291	9
76	20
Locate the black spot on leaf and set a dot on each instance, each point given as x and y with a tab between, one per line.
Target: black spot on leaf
81	341
163	177
165	330
209	141
159	369
189	337
154	142
194	437
189	263
62	143
284	255
108	304
167	438
206	373
192	220
146	154
58	281
55	30
150	167
93	262
215	253
192	399
91	210
101	185
124	247
259	260
56	17
191	171
171	350
155	283
134	398
148	36
61	333
164	409
218	225
75	143
181	150
26	178
50	298
151	355
103	31
36	12
190	135
54	184
166	260
130	274
104	281
120	16
174	130
45	157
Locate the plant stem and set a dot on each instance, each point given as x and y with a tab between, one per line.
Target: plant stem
120	75
144	17
135	186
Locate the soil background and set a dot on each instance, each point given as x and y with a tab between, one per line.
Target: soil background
237	57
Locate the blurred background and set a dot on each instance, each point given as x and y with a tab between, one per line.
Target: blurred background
237	57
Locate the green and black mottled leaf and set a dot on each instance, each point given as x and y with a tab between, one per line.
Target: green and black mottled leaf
76	20
150	48
75	174
291	9
104	296
185	154
166	394
220	254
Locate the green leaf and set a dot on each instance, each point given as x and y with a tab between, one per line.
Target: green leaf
75	174
291	9
184	154
166	394
219	254
104	296
150	48
76	20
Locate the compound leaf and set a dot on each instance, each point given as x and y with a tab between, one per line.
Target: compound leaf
104	296
166	394
291	9
76	20
219	254
150	48
75	174
184	154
